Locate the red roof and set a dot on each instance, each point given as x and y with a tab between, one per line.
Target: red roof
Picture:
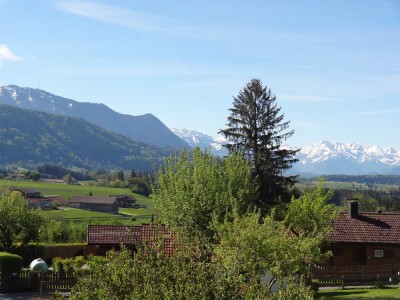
367	227
146	233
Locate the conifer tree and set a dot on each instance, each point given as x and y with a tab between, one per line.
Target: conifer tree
256	128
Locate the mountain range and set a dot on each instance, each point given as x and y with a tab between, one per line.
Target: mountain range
197	139
39	127
29	138
144	128
321	158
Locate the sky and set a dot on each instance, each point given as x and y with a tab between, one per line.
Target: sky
333	65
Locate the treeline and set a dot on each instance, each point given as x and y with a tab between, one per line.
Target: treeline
54	171
366	179
369	199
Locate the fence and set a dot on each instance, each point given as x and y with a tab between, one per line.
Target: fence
26	280
357	275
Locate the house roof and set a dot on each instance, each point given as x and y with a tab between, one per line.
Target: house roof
93	199
146	233
367	227
110	234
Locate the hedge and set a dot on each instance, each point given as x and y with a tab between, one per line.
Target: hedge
10	262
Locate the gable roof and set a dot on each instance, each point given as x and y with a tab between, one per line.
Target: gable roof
93	199
110	234
367	227
146	233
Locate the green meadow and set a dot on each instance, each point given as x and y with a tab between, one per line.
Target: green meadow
371	293
67	191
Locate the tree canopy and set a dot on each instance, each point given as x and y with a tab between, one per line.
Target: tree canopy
194	188
18	223
256	128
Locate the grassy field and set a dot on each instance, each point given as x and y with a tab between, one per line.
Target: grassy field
66	191
378	294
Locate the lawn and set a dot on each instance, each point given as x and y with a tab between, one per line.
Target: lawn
67	191
378	294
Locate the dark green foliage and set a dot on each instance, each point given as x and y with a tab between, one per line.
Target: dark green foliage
30	252
145	128
54	171
369	180
256	128
10	262
140	186
37	138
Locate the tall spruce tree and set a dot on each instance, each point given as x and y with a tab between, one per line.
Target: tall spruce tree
256	128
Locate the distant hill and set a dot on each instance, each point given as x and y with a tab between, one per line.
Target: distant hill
32	137
144	128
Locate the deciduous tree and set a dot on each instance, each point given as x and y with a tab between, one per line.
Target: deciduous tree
194	188
18	223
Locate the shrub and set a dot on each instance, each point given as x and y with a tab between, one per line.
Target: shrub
315	285
10	262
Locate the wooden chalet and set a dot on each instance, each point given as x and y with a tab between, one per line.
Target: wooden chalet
365	238
95	203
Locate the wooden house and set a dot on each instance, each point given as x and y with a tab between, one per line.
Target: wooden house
365	238
95	203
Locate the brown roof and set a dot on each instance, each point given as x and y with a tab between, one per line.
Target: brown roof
93	199
146	233
110	234
367	227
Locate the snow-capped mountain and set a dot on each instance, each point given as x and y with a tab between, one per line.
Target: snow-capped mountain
351	158
197	139
144	128
321	158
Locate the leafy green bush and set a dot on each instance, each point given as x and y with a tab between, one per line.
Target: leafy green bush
10	262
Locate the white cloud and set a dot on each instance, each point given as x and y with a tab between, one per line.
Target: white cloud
379	112
7	54
125	17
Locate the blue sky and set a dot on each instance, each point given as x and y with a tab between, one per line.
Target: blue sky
334	65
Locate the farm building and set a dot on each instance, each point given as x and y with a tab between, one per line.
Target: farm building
365	238
28	193
94	203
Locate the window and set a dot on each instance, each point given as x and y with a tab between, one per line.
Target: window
378	254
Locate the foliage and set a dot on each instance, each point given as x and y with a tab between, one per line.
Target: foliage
190	191
18	223
190	274
62	232
139	185
311	215
256	128
365	202
68	264
10	262
252	246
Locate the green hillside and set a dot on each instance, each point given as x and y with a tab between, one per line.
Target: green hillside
31	137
